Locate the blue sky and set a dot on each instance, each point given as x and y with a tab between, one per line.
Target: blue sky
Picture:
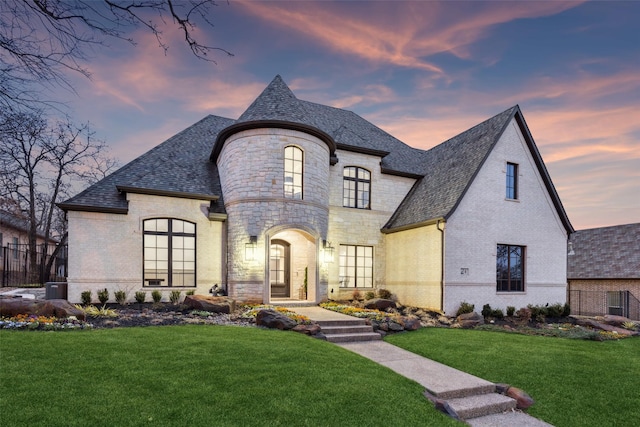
422	71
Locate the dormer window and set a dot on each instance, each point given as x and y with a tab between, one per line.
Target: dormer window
293	169
356	188
512	181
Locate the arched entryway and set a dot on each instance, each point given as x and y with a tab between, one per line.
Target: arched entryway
292	268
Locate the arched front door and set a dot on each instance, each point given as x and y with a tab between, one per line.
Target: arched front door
279	262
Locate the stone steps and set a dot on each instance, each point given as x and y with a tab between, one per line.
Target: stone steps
341	331
481	405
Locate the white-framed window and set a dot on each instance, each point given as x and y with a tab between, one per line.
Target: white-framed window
356	266
169	254
293	172
356	188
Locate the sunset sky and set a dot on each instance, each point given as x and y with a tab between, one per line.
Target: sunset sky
422	71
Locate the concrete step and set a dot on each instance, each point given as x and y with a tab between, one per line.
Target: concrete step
342	322
481	405
354	337
349	329
507	419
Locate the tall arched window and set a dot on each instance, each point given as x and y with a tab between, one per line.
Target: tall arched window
356	188
169	252
293	162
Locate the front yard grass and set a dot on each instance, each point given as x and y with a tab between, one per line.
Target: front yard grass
574	382
198	376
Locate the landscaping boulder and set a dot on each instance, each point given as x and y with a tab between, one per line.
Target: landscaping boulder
613	320
274	320
591	323
59	308
210	303
411	324
523	400
380	304
312	329
470	320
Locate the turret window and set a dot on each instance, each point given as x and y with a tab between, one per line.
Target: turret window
293	170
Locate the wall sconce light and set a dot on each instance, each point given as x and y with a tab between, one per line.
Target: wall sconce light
571	251
328	251
250	248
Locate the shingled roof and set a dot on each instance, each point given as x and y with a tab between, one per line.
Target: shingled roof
179	167
605	253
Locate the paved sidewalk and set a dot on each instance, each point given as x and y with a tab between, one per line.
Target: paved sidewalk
438	379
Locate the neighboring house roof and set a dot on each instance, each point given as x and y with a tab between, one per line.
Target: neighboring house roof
10	220
179	166
605	253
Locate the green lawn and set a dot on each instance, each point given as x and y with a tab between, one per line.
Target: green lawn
198	376
574	382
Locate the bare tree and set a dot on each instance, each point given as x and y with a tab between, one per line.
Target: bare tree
39	162
41	40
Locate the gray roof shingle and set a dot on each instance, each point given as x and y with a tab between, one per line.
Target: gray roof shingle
180	167
605	253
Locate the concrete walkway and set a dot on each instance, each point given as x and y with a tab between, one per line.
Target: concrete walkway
440	381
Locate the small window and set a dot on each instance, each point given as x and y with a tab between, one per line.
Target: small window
169	253
510	268
512	181
293	169
356	188
356	266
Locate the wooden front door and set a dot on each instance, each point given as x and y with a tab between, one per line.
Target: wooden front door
279	260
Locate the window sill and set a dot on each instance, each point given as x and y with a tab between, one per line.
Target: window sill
512	200
511	292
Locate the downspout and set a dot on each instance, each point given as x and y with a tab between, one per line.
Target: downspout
441	230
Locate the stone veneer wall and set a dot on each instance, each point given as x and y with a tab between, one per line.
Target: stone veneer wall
485	219
352	226
251	166
105	250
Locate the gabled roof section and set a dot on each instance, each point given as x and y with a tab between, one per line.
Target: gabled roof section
19	223
450	168
179	167
605	253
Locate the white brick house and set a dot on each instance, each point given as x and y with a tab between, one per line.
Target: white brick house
294	192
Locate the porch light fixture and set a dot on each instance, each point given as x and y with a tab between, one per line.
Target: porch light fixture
571	251
251	248
328	251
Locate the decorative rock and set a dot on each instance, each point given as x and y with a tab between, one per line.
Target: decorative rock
502	388
610	319
444	320
274	320
411	324
602	327
60	308
523	400
210	303
312	329
395	327
470	320
380	304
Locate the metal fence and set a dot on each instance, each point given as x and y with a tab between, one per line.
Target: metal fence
601	303
16	270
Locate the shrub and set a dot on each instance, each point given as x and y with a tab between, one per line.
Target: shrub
510	310
486	310
384	294
555	310
103	296
140	296
566	311
85	297
369	295
356	295
465	307
156	295
191	292
524	313
121	297
537	312
497	313
174	297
